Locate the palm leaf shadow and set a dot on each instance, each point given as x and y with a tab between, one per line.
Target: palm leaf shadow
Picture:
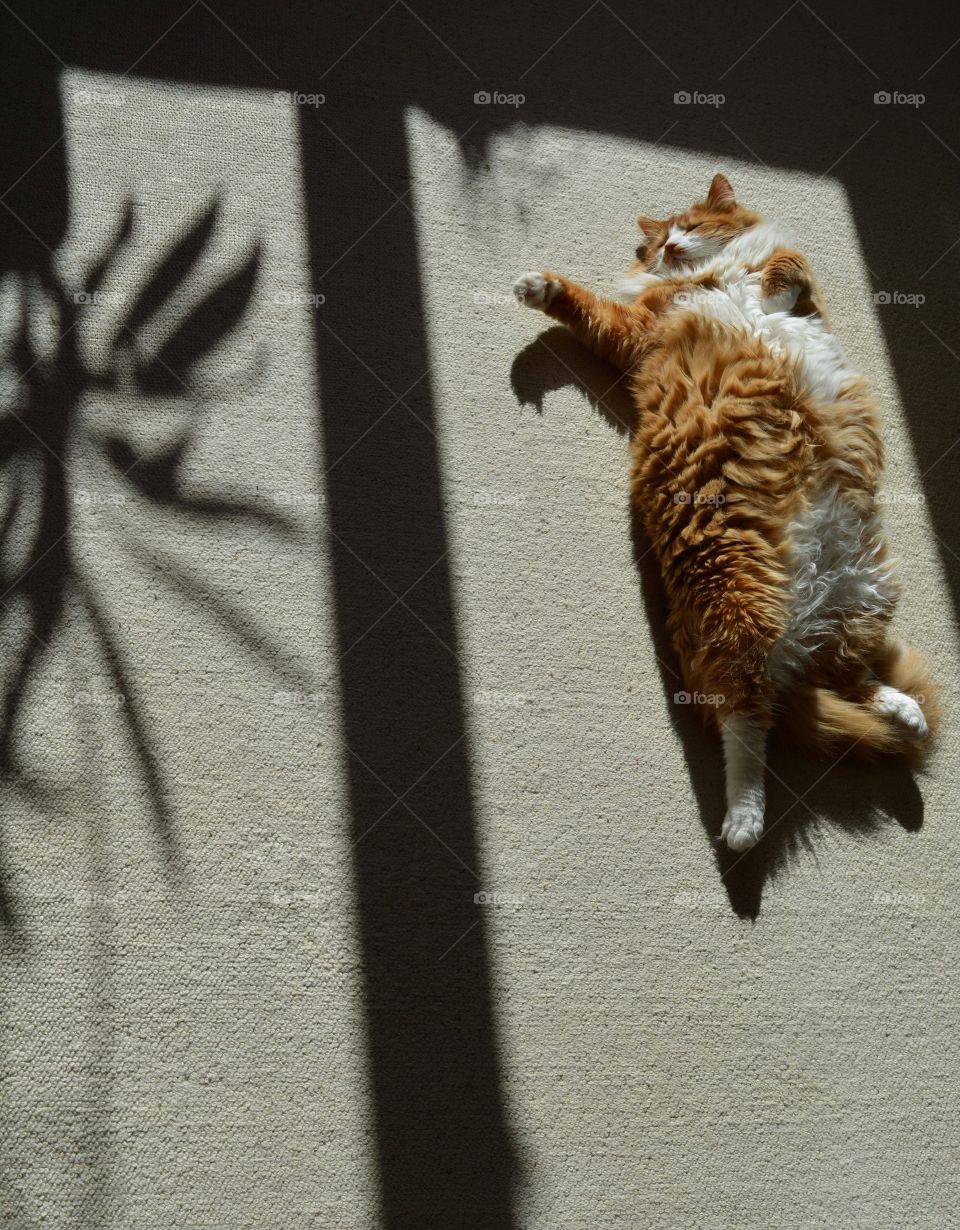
37	433
123	680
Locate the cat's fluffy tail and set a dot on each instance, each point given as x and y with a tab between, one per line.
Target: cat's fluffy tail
826	723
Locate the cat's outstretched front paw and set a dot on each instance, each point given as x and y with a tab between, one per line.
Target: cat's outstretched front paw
534	290
742	826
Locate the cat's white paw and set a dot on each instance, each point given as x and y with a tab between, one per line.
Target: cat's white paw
784	301
904	709
742	826
534	290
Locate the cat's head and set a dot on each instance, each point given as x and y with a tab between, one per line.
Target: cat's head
678	244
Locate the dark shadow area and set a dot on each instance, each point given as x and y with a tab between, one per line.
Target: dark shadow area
444	1154
554	360
807	797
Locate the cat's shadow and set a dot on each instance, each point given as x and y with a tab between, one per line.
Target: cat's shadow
804	797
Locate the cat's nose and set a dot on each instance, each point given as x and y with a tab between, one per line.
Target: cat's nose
670	248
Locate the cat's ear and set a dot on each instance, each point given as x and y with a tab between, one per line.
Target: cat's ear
650	226
720	195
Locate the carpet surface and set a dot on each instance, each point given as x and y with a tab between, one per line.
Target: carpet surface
359	853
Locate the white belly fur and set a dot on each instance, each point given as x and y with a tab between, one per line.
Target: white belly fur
837	573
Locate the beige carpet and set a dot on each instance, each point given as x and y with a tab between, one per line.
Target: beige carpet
680	1042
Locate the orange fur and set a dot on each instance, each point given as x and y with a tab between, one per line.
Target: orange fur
728	450
826	722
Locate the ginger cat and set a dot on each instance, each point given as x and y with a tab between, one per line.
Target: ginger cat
756	460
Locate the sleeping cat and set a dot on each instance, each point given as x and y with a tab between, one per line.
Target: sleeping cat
756	459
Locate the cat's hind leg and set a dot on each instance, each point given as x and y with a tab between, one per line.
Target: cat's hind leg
902	708
728	610
907	692
609	329
745	757
897	687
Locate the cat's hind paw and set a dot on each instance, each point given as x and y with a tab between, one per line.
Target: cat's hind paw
534	290
903	709
742	826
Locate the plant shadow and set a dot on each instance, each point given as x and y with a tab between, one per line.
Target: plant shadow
38	439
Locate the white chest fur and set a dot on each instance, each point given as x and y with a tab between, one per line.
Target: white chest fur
738	303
